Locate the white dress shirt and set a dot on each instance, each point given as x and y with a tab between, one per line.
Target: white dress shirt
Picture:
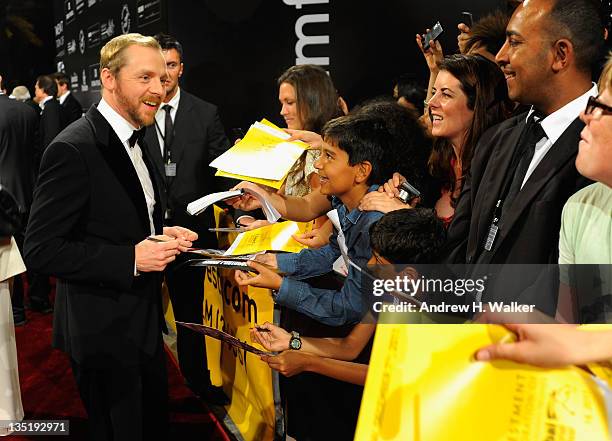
43	102
160	118
554	125
63	97
124	131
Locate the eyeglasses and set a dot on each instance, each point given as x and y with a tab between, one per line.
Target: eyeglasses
594	104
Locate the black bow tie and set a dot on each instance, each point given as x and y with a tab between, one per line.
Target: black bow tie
137	136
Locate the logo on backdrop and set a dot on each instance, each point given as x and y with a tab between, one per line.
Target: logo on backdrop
304	40
125	19
81	41
107	29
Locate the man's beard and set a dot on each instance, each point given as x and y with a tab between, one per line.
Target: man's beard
132	110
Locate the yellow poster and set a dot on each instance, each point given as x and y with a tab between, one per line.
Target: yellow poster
424	385
274	237
265	182
246	379
263	153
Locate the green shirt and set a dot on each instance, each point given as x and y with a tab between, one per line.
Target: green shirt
586	227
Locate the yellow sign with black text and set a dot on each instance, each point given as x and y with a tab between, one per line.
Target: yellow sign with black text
424	385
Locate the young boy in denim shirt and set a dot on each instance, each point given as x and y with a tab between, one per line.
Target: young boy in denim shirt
355	155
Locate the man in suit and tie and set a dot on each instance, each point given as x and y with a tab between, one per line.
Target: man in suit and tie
45	95
186	136
70	106
523	169
18	132
94	207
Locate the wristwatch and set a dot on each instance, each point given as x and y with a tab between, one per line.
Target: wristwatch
295	342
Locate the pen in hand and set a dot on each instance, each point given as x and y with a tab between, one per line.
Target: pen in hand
262	329
155	239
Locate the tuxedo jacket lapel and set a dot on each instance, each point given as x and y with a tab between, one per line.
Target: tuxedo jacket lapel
561	152
120	163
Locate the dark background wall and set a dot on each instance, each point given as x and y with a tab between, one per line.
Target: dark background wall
26	41
234	49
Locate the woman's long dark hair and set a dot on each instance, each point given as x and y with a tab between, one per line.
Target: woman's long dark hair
487	94
316	96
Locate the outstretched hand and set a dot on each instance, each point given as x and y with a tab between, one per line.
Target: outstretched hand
543	345
314	140
464	35
266	277
380	201
288	363
433	55
274	339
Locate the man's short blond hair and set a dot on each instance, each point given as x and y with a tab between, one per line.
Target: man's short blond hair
605	80
112	55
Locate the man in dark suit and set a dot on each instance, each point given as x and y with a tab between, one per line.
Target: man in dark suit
70	106
523	170
45	93
186	136
94	206
18	132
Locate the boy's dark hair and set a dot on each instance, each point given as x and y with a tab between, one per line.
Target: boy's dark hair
364	137
410	235
168	42
48	85
411	147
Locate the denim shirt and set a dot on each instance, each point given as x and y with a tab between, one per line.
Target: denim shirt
330	306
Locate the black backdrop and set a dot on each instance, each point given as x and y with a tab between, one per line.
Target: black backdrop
235	49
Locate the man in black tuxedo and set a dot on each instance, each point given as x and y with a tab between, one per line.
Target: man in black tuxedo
70	106
95	205
45	93
18	129
186	136
18	136
523	169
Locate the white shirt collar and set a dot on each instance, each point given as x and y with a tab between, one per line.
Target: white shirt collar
44	101
63	97
555	124
120	125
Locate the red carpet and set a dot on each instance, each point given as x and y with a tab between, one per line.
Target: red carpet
48	390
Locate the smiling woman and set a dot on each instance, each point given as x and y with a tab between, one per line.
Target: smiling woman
470	95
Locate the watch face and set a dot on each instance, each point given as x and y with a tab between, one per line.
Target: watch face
295	343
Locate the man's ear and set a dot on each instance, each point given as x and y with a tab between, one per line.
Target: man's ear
364	169
563	55
107	78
